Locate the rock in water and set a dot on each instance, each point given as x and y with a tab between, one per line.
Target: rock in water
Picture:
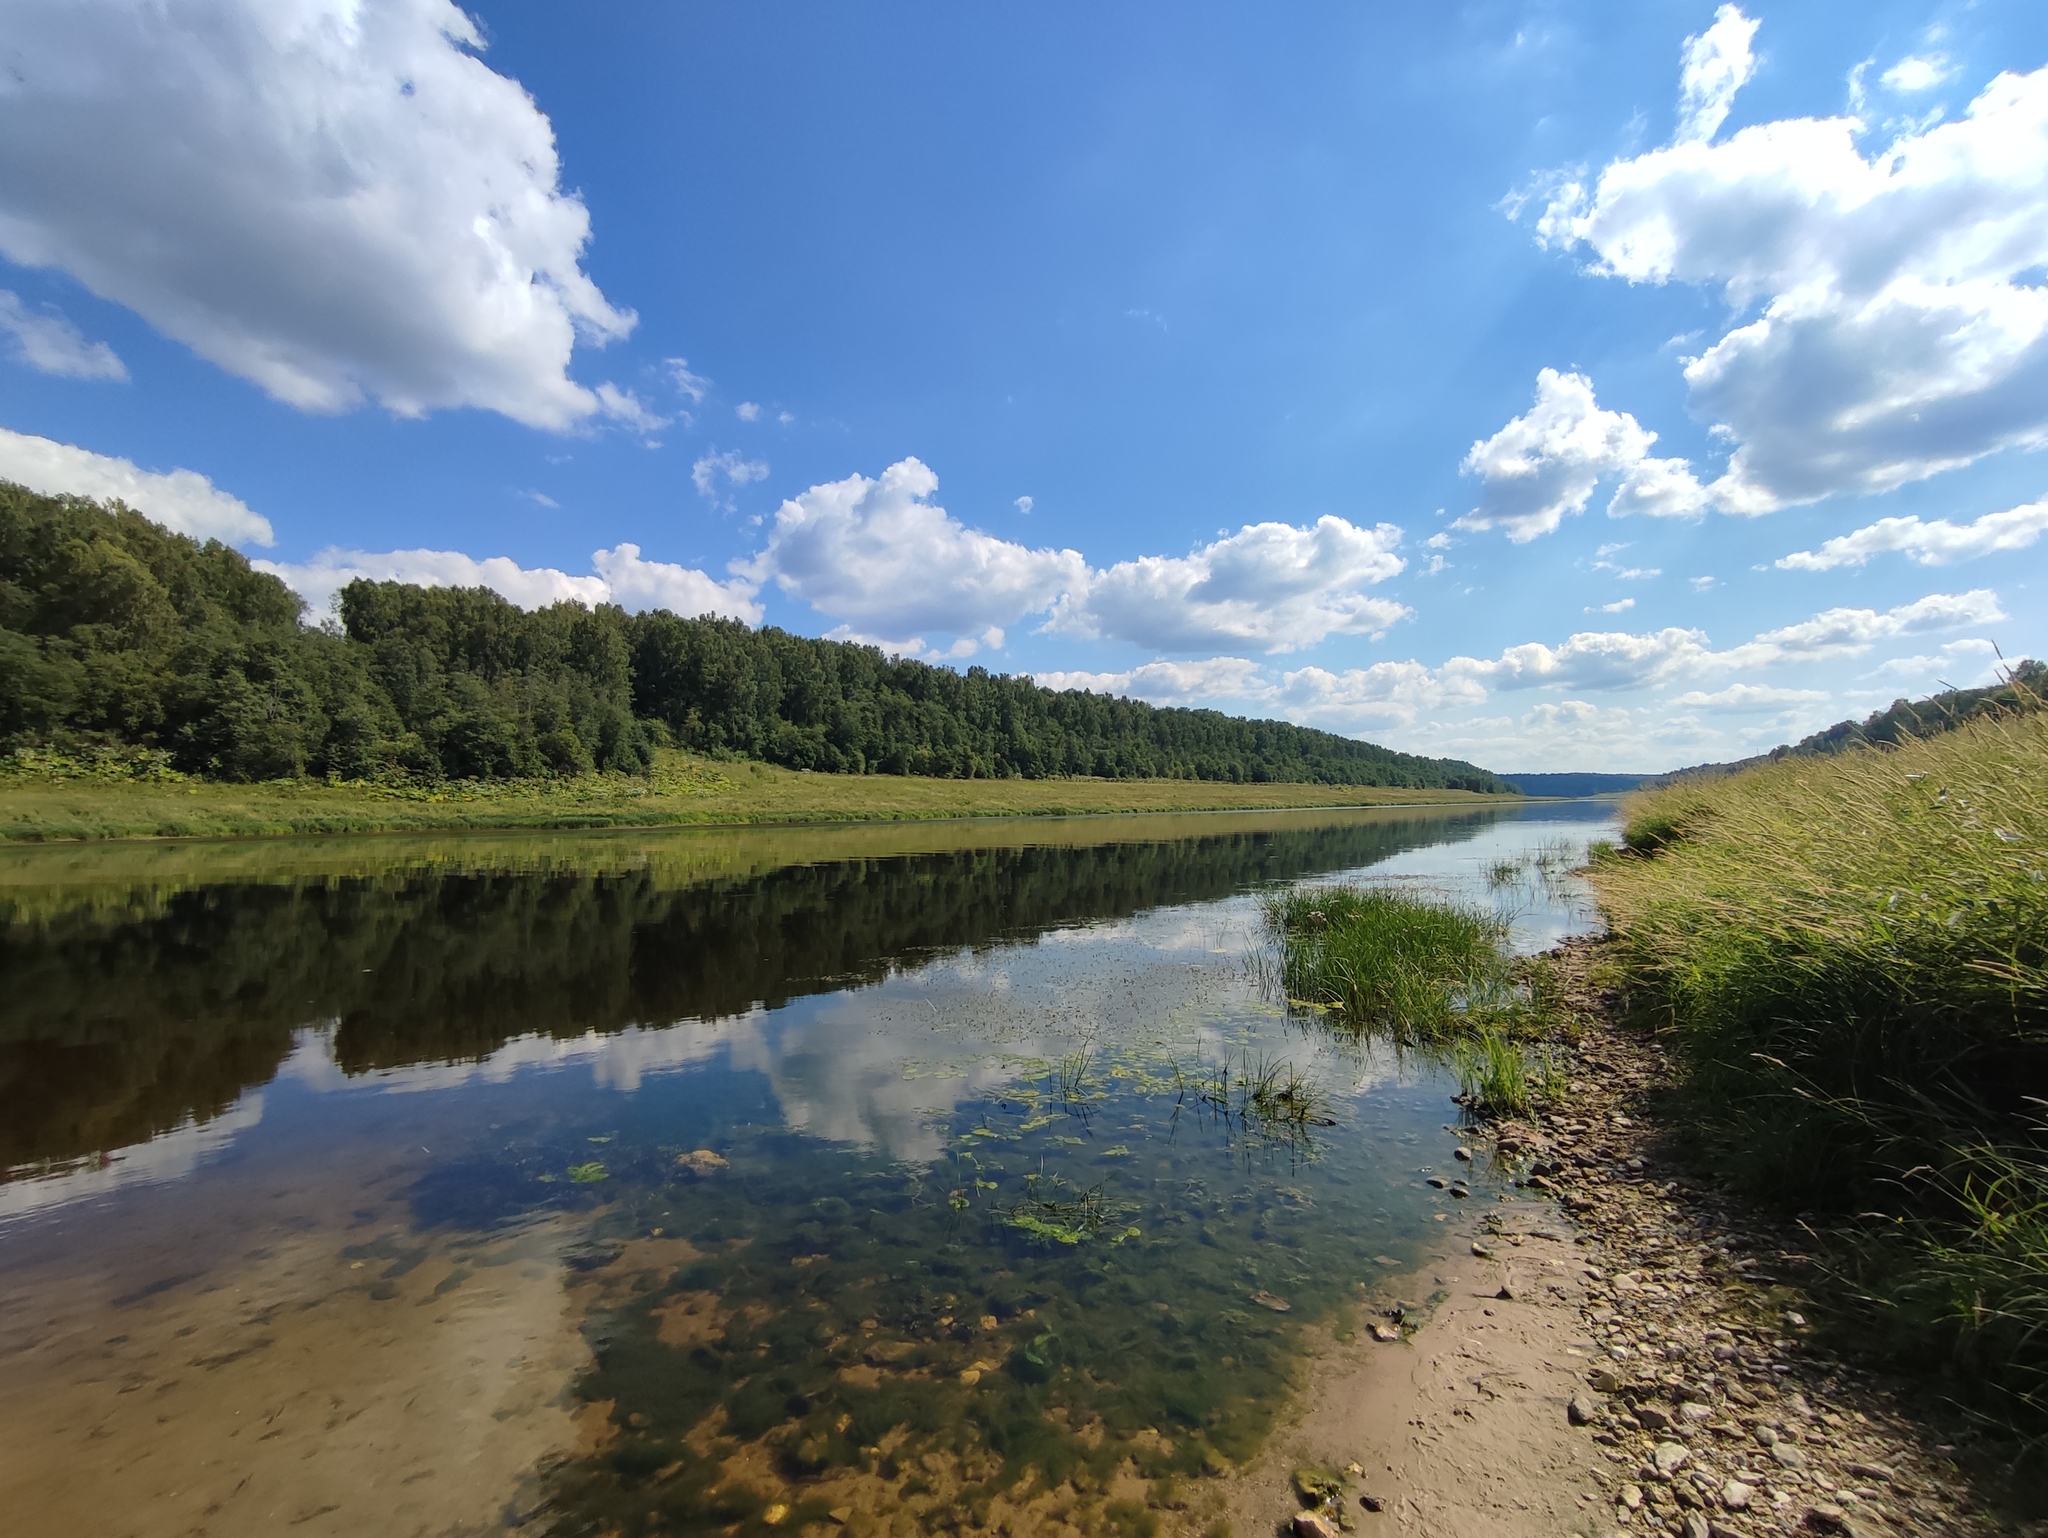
1267	1300
1313	1524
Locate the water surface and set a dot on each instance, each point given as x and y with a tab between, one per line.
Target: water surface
899	1179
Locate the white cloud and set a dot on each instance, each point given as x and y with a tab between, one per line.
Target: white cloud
1889	328
1935	542
626	407
1849	632
882	556
1545	463
52	345
1972	660
623	578
1619	606
695	386
1384	693
1701	584
1024	506
1594	659
916	648
1916	73
1718	63
1612	660
637	584
1269	585
1570	735
183	500
732	467
1739	698
1173	683
335	199
318	580
747	411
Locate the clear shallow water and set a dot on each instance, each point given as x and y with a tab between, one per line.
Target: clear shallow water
655	1183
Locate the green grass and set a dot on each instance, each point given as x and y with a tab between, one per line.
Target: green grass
1422	972
1853	954
1386	960
49	797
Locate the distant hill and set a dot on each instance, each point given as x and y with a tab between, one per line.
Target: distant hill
1575	784
2024	687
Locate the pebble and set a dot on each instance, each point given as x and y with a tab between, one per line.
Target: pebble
1313	1524
1650	1418
1373	1502
1584	1410
1669	1457
1386	1332
1462	1153
1788	1456
1632	1497
1736	1495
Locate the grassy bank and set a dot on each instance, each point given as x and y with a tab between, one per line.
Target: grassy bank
54	799
1852	956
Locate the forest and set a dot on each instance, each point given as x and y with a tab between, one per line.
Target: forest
116	633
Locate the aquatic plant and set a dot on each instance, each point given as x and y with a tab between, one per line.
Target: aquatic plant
1384	959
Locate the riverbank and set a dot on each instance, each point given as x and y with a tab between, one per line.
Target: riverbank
1619	1348
682	790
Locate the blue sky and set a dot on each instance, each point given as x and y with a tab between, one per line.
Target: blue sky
1560	386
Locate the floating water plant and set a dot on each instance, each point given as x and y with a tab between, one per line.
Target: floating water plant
587	1174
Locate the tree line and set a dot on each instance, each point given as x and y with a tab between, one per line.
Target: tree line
115	632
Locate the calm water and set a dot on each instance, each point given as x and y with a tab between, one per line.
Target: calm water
693	1182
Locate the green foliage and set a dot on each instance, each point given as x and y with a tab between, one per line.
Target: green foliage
116	633
1854	952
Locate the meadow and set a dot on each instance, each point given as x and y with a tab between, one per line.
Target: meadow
48	796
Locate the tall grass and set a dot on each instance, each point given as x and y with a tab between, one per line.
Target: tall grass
1854	953
1423	972
1386	960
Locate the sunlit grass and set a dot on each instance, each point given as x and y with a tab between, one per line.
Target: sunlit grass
1854	953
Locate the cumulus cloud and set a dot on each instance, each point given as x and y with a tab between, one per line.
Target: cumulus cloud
1889	324
732	467
1739	698
747	411
1270	585
634	583
1718	63
335	199
1933	542
50	344
183	500
1173	683
882	556
1545	465
1571	735
1619	606
623	577
1384	693
1849	632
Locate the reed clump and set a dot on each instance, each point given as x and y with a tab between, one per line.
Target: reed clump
1388	960
1853	952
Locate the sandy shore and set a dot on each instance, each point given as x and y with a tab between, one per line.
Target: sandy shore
1617	1352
